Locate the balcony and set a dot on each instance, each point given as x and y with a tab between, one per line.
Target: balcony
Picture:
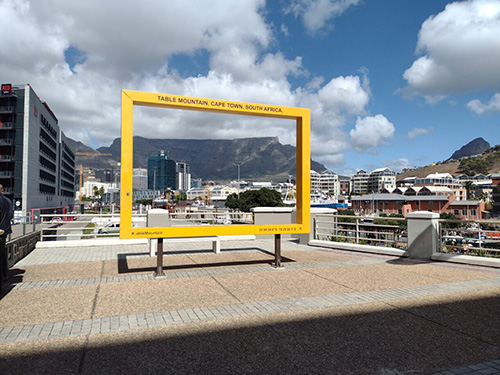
4	174
6	142
7	158
7	125
7	109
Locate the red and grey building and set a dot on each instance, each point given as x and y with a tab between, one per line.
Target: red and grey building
37	165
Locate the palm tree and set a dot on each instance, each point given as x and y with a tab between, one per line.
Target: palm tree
469	186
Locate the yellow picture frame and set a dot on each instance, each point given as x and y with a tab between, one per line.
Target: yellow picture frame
302	116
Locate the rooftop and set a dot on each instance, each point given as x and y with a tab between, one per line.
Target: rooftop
99	310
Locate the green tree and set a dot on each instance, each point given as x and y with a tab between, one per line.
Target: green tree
254	198
468	185
449	216
345	219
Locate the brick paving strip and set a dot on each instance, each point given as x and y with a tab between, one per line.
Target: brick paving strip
187	274
199	314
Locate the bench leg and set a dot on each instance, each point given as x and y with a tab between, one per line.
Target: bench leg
216	246
277	250
159	259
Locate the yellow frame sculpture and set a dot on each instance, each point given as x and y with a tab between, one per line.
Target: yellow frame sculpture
147	99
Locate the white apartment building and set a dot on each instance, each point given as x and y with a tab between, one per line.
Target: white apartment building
375	181
326	183
359	182
382	178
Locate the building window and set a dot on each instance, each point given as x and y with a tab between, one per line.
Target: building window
430	203
473	212
456	212
464	212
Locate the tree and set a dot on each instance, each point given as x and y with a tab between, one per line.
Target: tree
449	216
468	185
254	198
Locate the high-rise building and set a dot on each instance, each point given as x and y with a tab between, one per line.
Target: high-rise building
183	176
161	172
140	179
37	166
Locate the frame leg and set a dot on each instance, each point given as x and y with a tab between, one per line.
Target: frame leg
159	259
277	251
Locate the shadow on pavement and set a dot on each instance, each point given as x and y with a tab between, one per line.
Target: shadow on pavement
377	339
123	266
15	276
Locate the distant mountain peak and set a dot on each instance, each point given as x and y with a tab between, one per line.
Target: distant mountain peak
474	147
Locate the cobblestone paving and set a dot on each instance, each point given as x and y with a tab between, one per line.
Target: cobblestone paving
95	326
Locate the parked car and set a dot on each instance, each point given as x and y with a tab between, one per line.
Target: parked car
110	228
56	220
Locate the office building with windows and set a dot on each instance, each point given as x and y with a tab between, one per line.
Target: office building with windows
161	172
37	166
183	176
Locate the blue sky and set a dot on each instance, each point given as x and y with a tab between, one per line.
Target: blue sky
396	83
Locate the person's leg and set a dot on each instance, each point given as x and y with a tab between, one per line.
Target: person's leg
3	259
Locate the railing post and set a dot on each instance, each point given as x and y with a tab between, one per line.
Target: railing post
357	230
315	222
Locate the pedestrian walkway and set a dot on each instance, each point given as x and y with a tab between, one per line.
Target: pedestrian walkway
99	310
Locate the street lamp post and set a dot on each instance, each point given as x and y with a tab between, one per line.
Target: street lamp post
154	188
238	164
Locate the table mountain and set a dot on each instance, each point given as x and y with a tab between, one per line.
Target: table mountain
263	158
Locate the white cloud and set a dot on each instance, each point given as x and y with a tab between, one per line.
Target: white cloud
398	165
417	132
284	30
130	47
371	132
461	51
317	13
478	107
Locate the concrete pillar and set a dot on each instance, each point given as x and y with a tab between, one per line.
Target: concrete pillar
423	234
157	217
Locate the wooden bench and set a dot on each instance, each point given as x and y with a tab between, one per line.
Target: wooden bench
215	242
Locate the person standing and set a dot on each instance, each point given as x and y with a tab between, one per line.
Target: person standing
6	215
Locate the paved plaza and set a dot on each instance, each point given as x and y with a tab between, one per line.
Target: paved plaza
99	310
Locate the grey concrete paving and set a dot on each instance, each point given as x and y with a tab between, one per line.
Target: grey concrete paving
99	310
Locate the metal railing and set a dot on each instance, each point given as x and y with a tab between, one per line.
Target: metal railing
58	227
470	237
363	230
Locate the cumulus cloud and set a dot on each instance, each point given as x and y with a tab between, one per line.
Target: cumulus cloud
398	165
316	14
417	132
460	51
478	107
371	132
78	60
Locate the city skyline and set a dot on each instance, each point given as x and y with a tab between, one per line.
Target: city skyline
394	84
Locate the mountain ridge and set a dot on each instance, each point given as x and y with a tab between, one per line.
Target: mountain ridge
209	159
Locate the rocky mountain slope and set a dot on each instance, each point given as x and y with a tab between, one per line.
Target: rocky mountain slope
262	158
474	147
